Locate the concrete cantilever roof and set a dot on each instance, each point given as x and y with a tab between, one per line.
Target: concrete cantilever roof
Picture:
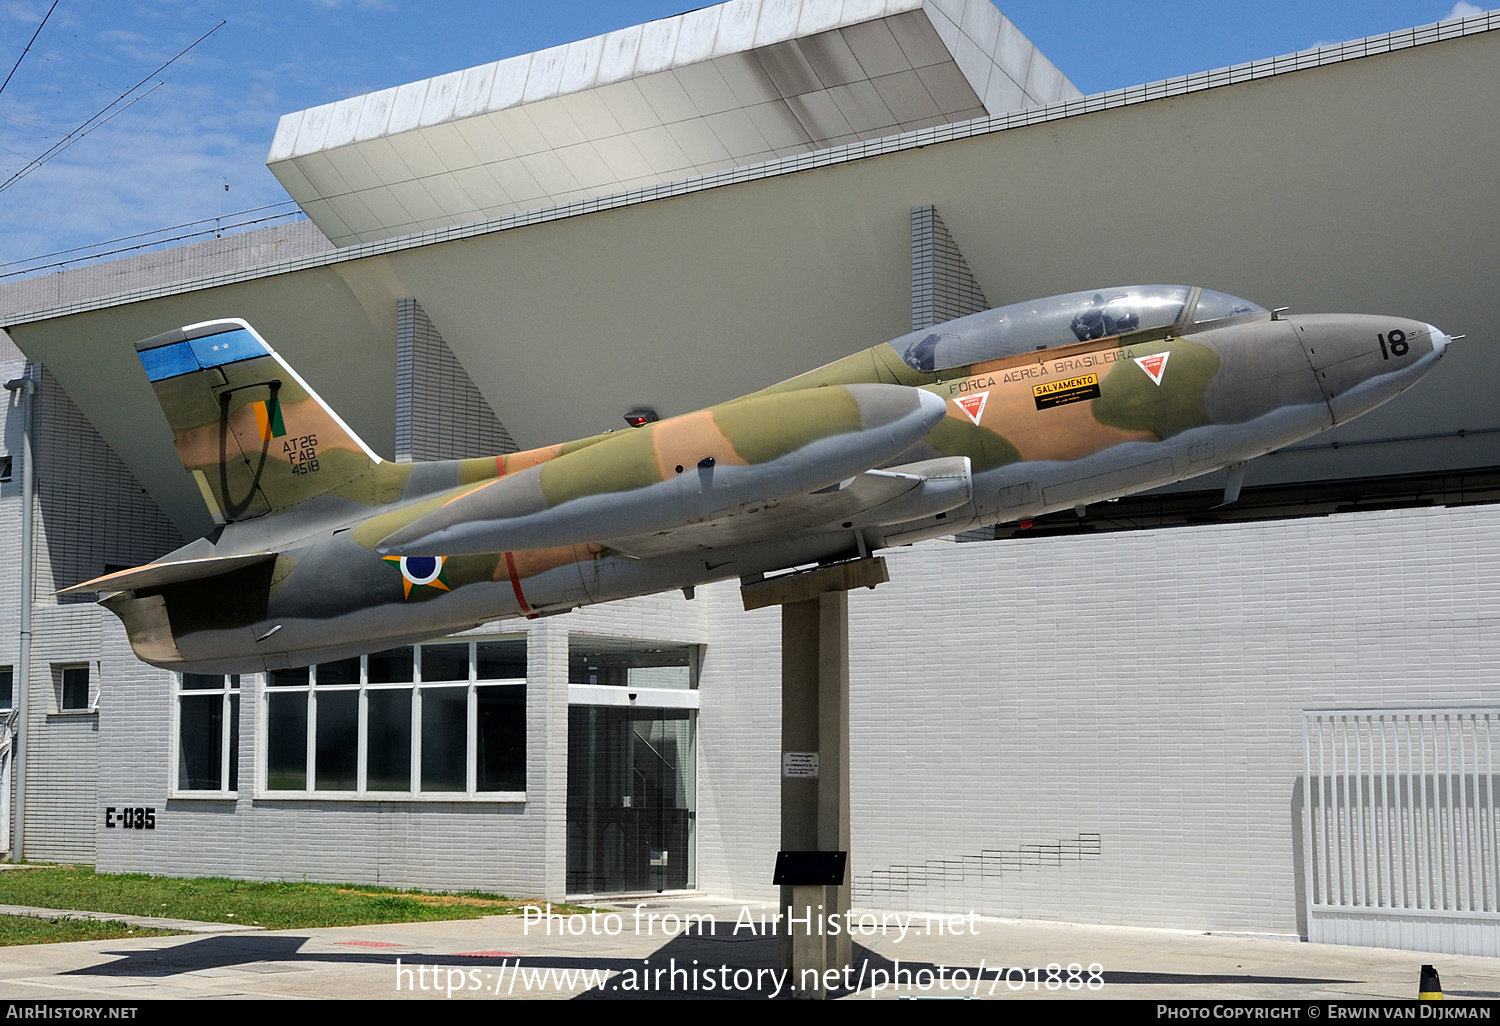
720	87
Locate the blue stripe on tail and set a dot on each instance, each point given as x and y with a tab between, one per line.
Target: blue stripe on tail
180	358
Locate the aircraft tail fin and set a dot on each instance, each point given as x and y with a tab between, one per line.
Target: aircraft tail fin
254	435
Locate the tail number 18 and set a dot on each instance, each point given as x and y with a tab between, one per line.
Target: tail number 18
1394	344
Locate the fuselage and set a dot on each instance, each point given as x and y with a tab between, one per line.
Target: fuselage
1045	406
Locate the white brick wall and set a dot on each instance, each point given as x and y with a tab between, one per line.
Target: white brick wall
62	747
942	286
440	413
96	513
91	510
1146	686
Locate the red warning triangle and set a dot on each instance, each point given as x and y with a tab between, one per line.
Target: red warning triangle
1154	365
973	405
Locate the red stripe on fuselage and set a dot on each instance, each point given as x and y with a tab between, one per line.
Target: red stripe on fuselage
515	584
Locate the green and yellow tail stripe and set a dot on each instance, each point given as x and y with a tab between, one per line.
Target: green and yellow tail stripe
268	416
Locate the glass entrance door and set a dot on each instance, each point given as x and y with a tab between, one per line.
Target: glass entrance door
632	798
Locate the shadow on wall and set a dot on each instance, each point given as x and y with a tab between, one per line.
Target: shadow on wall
94	514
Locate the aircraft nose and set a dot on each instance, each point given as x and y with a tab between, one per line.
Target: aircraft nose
1362	361
1439	341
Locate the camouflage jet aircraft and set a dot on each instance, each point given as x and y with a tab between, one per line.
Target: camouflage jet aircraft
324	550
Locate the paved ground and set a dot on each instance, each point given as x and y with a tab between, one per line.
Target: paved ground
479	958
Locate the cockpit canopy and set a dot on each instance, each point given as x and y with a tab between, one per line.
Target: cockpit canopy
1065	320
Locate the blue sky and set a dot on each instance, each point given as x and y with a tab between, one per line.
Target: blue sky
163	161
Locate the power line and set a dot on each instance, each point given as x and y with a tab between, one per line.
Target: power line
71	139
95	121
28	46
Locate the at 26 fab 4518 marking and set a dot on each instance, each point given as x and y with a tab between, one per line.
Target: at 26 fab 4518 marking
302	453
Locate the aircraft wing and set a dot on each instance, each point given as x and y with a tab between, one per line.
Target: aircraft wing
712	465
875	498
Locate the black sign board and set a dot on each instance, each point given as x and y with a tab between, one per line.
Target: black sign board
825	868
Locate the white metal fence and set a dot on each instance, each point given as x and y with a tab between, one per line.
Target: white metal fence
1399	828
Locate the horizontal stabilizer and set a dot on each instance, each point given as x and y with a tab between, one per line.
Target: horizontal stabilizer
155	575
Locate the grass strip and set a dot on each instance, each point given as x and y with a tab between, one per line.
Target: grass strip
36	930
275	906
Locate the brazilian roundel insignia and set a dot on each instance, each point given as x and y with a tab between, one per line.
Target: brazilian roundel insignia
420	572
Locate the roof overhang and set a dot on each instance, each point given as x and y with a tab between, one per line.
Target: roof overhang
717	88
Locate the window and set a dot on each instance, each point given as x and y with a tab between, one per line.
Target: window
636	664
445	718
7	690
73	688
1215	306
5	468
208	733
1042	324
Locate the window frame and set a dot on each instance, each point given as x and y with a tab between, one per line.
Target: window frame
583	642
59	681
361	792
233	687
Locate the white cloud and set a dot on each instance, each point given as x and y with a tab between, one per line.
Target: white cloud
158	164
161	160
1463	10
22	12
367	5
